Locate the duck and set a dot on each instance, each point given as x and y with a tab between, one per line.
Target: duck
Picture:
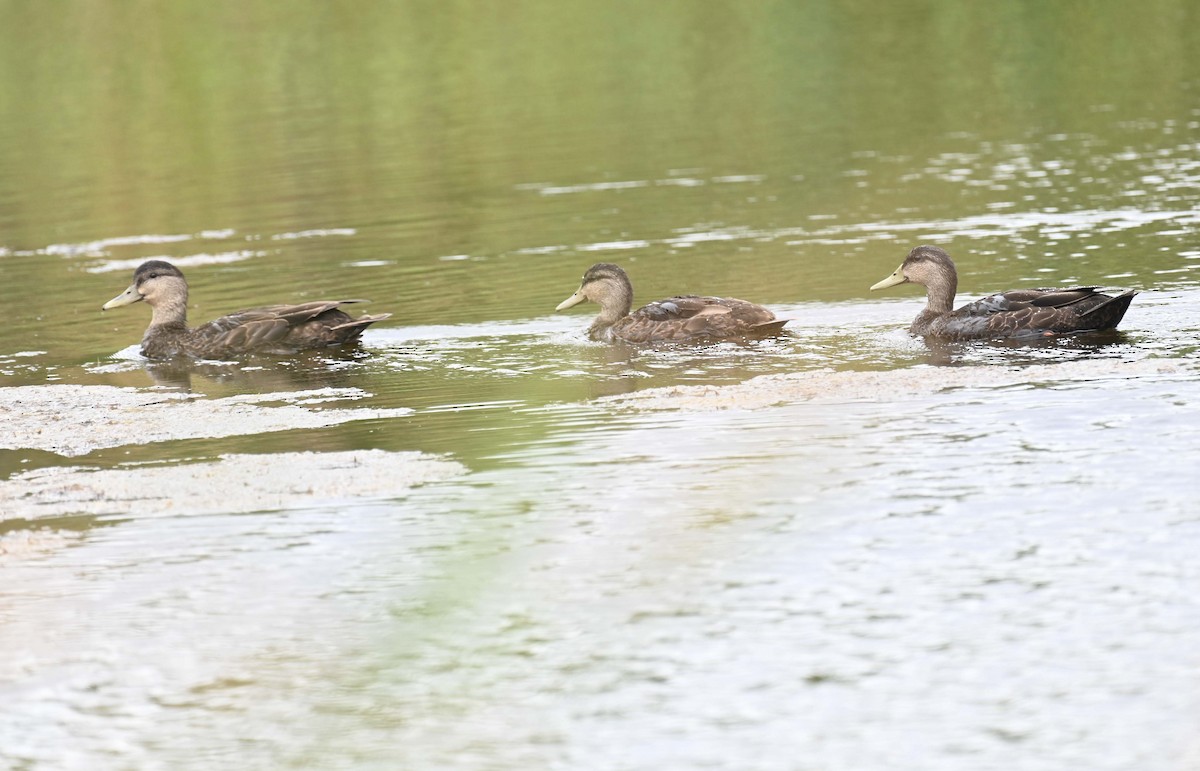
272	329
681	318
1015	313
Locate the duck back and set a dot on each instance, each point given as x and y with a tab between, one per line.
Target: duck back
691	317
1022	312
274	329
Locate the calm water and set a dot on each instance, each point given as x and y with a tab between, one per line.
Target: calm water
991	577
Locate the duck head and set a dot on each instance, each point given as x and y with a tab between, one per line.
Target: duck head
931	268
154	281
925	265
608	286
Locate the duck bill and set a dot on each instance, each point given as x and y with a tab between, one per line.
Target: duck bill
896	278
573	300
128	297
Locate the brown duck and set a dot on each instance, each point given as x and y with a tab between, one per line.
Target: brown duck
687	317
273	329
1016	313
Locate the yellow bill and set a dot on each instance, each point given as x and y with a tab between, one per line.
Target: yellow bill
573	300
897	277
128	297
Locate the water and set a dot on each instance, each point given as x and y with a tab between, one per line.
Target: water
879	573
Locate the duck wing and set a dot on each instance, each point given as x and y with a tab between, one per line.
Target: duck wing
282	328
1034	312
689	317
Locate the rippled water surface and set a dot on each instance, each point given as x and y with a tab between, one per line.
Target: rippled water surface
880	574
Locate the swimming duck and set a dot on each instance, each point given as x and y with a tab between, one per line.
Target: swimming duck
274	329
1016	313
687	317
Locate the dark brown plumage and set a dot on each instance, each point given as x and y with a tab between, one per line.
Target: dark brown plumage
687	317
274	329
1016	313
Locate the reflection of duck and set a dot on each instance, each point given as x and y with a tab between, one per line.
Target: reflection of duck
277	329
678	318
1015	313
308	370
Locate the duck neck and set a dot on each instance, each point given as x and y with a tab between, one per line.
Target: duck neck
170	313
609	315
613	308
939	300
939	296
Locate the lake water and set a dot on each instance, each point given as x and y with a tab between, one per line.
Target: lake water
882	574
